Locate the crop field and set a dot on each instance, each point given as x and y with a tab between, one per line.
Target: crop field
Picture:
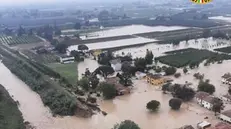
16	40
224	49
68	71
42	58
184	57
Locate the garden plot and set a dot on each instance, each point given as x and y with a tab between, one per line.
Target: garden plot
224	49
181	58
16	40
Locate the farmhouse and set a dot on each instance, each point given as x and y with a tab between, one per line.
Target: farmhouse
200	96
66	59
226	116
116	64
155	79
205	100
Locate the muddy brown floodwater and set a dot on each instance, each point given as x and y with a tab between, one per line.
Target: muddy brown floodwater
131	106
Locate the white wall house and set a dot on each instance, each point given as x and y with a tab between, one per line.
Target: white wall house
116	64
200	97
226	116
67	59
207	102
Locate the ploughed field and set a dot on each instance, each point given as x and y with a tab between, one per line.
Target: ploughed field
16	40
184	57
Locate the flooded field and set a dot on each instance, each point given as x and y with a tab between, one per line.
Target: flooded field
131	107
226	19
115	43
159	49
130	30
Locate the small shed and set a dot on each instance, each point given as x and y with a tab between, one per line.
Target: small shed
66	59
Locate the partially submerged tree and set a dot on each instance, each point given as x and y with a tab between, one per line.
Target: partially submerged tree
104	70
125	79
140	64
82	47
185	70
183	92
61	47
217	105
149	57
84	83
108	90
153	105
170	71
165	87
127	124
206	87
175	103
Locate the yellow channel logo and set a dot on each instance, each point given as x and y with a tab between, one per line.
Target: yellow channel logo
201	1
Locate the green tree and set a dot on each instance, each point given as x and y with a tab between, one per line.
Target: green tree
165	87
175	103
127	124
82	47
229	91
170	71
125	79
177	75
183	92
206	87
140	64
94	81
153	105
104	70
185	70
149	57
217	105
61	48
58	31
108	90
84	83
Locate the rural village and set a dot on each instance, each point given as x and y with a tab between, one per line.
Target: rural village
125	76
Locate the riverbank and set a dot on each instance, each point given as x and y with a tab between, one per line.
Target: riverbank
11	117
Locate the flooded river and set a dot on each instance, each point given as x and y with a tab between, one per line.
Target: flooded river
131	107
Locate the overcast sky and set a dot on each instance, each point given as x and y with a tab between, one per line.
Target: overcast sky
13	2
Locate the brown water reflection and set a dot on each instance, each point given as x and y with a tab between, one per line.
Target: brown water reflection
131	107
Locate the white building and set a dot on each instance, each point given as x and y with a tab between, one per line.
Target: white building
208	102
67	59
200	96
226	116
116	64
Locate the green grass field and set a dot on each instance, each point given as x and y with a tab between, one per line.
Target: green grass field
69	71
224	49
10	116
184	57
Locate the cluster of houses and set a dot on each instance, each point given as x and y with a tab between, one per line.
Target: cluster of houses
206	100
226	79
